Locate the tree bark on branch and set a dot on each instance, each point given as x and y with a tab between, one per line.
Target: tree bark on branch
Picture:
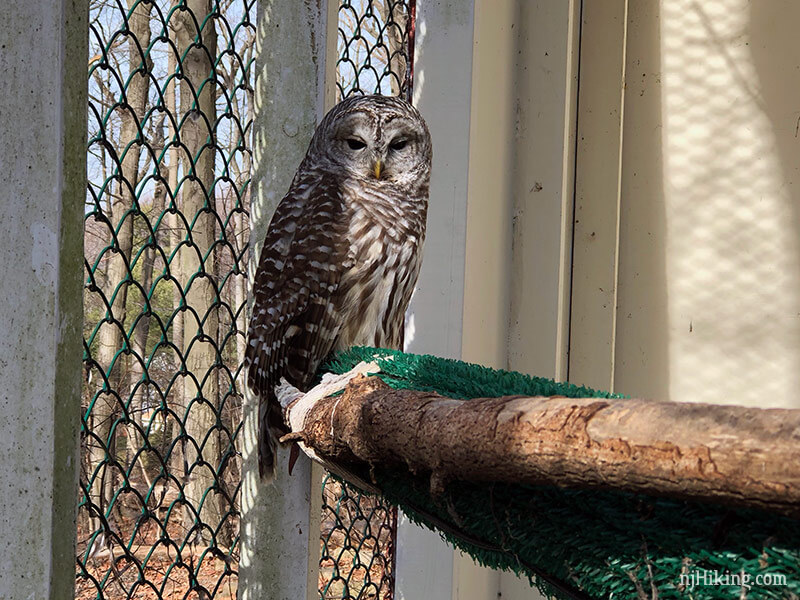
731	455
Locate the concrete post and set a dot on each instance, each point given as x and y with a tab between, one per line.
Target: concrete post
43	50
294	86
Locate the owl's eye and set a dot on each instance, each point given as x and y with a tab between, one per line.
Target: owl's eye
398	144
355	144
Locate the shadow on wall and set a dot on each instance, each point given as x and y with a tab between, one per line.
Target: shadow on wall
774	49
732	250
723	324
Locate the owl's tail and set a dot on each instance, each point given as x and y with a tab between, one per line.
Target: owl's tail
267	442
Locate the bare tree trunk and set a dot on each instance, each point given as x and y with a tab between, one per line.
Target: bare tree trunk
201	387
177	400
233	208
241	225
727	454
142	331
240	298
111	334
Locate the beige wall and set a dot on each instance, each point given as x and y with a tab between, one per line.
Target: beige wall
708	295
677	276
635	232
518	209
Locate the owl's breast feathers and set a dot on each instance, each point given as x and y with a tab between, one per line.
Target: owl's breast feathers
386	233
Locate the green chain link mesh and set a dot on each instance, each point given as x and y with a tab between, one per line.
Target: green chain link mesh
166	233
375	43
166	236
358	531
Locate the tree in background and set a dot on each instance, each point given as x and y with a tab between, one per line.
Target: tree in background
166	233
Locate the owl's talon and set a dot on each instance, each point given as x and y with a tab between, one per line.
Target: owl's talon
286	393
295	436
328	378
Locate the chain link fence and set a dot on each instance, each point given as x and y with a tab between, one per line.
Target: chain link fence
375	47
166	248
166	236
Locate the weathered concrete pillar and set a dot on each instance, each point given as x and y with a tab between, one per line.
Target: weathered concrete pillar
296	48
43	52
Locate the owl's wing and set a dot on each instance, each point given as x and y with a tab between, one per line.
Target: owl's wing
295	319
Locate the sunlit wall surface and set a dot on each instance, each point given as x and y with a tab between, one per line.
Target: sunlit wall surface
709	281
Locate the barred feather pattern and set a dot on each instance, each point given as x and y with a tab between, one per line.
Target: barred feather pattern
342	252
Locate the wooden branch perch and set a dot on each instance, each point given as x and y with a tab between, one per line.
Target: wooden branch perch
729	454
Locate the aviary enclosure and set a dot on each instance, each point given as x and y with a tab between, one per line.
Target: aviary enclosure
170	155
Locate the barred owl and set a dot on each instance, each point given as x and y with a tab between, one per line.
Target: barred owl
343	250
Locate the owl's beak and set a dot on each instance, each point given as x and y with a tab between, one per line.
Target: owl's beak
377	168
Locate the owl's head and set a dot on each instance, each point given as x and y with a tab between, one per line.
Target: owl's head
376	139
